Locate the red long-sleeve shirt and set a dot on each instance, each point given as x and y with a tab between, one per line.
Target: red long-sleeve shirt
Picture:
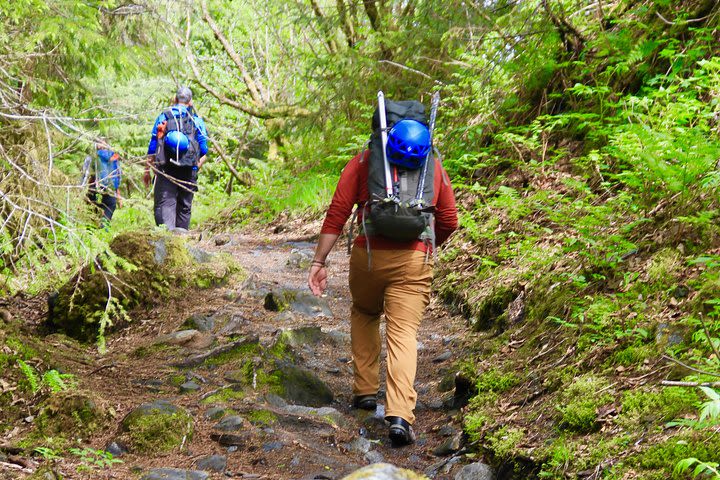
352	189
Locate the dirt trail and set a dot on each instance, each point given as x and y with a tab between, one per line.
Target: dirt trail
297	446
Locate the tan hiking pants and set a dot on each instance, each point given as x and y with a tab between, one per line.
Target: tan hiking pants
398	284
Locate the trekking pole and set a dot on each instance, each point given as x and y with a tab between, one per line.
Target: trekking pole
433	115
383	136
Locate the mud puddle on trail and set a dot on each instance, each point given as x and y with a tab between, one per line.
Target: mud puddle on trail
245	426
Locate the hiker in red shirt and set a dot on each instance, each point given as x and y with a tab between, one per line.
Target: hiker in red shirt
388	275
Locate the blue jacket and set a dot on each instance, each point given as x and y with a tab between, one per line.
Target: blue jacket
181	110
107	170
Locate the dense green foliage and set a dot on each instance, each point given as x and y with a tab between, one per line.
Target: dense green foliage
581	137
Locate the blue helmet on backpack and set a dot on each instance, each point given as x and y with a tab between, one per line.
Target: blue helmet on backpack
408	144
177	141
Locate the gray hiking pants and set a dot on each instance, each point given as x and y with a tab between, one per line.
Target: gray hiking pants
173	195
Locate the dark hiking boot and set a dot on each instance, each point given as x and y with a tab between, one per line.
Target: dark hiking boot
365	402
400	433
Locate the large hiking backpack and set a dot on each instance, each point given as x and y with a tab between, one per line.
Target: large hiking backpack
184	124
406	212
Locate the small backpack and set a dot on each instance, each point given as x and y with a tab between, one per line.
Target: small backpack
407	213
184	123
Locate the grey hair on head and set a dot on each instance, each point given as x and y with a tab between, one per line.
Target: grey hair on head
184	95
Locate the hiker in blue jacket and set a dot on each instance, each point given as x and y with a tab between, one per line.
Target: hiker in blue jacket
105	175
177	150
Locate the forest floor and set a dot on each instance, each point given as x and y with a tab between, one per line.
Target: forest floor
295	444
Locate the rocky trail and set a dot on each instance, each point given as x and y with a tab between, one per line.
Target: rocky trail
253	380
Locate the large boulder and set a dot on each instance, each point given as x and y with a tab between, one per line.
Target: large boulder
144	268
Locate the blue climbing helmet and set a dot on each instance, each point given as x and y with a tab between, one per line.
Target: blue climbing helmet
177	141
408	144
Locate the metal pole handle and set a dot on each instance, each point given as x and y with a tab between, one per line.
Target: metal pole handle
383	136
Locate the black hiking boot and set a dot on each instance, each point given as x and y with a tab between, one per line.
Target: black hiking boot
400	433
365	402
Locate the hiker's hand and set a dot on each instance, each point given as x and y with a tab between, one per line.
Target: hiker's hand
317	279
119	202
146	178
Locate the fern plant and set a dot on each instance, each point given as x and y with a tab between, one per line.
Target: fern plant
58	382
31	376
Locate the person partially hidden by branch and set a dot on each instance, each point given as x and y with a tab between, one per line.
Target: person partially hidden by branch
177	150
104	174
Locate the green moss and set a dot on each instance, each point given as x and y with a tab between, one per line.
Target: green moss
223	396
473	424
153	349
261	417
579	403
664	267
150	267
490	312
71	413
245	350
177	380
494	380
160	433
642	407
634	355
664	456
503	443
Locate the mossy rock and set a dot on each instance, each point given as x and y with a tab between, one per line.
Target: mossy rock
300	386
297	301
72	414
490	313
156	427
153	267
384	471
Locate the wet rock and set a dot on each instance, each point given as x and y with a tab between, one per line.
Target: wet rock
176	338
201	322
374	456
447	431
152	384
232	439
297	301
227	350
302	387
668	335
383	471
174	474
215	413
116	449
476	471
449	446
299	259
442	357
275	400
327	414
237	325
156	427
213	463
189	387
200	255
360	445
231	423
271	446
221	240
465	389
297	337
339	338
